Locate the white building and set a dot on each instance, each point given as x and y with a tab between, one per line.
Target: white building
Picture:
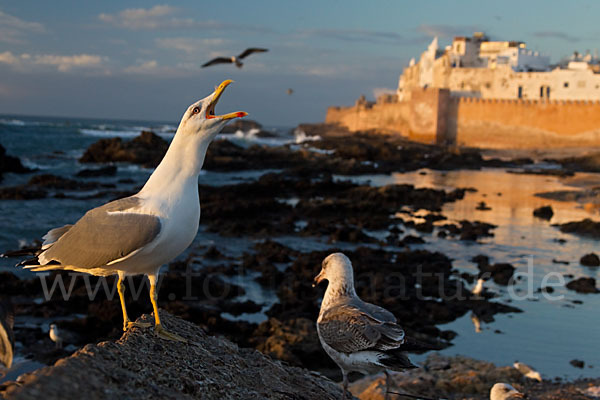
478	67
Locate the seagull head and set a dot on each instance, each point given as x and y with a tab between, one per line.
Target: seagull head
335	267
200	117
504	391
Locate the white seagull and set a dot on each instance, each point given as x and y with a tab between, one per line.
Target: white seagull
55	336
478	289
504	391
358	336
528	371
138	234
234	59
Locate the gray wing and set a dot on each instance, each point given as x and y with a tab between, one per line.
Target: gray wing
348	329
374	311
218	60
100	236
53	235
251	50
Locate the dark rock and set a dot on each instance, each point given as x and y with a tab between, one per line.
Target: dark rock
577	363
10	164
135	368
585	227
148	149
110	170
243	125
590	260
583	285
544	212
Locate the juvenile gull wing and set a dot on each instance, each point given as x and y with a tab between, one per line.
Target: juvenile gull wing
251	50
103	235
348	329
218	60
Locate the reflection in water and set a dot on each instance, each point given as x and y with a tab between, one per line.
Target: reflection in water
476	322
557	325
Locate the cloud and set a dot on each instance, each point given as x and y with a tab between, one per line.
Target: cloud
13	29
354	35
61	63
147	67
557	35
163	17
189	45
445	31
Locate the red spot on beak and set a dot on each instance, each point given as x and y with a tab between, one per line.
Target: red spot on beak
241	114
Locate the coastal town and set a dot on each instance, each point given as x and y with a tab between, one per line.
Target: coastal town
493	94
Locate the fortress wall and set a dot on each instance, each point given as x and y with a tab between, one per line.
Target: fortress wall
418	119
498	123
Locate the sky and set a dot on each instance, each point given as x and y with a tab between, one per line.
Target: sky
140	60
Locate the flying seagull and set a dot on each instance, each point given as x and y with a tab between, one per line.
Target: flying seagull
504	391
528	371
138	234
7	339
358	336
233	59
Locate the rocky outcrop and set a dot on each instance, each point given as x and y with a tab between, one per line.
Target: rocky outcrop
141	366
147	149
10	163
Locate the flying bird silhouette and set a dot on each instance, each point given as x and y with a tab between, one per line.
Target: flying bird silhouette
234	59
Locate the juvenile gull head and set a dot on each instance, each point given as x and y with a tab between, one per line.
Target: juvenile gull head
138	234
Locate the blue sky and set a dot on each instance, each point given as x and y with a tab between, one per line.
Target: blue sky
141	60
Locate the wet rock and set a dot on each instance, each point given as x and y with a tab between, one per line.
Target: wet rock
22	193
56	182
590	260
110	170
243	125
138	361
473	230
10	164
585	227
583	285
544	212
148	149
294	341
501	273
577	363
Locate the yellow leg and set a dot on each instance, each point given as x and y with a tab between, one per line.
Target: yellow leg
126	322
158	329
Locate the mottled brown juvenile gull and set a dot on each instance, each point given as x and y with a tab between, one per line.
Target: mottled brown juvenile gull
138	234
504	391
358	336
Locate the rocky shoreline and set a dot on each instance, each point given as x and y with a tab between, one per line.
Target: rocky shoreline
308	196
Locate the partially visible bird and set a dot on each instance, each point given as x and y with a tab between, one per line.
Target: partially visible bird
478	289
290	91
358	336
528	371
504	391
476	322
234	59
138	234
55	336
7	338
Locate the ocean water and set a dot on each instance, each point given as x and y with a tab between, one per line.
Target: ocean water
547	335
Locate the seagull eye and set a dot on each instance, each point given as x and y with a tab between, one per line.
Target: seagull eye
196	110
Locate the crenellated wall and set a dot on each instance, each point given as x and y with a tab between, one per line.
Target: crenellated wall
432	115
496	123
